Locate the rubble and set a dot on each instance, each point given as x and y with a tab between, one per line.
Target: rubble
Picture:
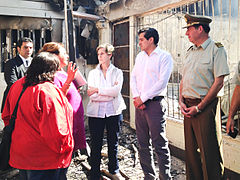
128	161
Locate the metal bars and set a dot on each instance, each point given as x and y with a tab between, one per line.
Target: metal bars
225	28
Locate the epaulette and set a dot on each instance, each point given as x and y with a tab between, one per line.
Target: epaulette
218	44
190	48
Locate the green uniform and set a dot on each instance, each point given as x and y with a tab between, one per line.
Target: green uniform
202	65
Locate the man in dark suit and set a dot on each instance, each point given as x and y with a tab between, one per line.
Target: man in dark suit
15	68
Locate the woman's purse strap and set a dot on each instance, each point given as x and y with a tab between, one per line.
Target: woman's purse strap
14	114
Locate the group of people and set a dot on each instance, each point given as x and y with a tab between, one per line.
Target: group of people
50	120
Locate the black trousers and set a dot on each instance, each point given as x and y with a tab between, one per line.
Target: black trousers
96	127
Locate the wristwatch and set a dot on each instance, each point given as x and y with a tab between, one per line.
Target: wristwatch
198	110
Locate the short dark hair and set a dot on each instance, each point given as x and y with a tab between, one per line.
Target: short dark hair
206	28
23	39
150	32
43	67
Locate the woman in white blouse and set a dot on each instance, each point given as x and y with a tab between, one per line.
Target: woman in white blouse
104	110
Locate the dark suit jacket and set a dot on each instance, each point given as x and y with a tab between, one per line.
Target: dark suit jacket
14	69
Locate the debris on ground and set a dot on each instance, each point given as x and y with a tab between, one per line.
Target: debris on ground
128	161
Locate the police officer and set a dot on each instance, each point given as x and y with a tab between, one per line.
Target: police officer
204	70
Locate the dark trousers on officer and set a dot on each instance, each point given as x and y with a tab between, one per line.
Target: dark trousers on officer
202	144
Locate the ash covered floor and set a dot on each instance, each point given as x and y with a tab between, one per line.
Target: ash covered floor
128	161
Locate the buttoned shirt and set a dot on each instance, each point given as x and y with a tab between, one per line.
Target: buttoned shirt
202	65
150	74
27	61
236	78
108	101
106	108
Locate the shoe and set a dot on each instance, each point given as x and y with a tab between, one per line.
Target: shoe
118	176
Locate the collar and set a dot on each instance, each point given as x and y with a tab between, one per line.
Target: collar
111	66
29	58
206	43
157	51
26	64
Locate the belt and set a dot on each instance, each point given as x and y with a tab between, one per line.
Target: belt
156	98
192	102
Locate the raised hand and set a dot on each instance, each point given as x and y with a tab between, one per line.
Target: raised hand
71	71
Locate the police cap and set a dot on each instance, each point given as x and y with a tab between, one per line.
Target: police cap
194	20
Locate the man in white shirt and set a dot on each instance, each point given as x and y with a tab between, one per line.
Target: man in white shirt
149	80
15	68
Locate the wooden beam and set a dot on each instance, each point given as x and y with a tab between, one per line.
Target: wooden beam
87	16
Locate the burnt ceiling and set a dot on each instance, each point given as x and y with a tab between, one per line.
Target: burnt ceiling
89	5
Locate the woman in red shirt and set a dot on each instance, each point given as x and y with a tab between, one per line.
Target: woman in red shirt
42	141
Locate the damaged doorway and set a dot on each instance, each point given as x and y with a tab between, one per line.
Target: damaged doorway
121	60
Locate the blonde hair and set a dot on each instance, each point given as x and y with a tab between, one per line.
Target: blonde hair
108	47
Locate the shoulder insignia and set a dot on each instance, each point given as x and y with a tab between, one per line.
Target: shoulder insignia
218	44
190	48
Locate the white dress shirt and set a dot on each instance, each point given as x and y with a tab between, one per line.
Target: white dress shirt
27	61
150	74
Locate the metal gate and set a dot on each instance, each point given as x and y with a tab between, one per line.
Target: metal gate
225	28
9	38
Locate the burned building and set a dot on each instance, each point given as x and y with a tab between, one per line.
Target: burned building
126	17
44	21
